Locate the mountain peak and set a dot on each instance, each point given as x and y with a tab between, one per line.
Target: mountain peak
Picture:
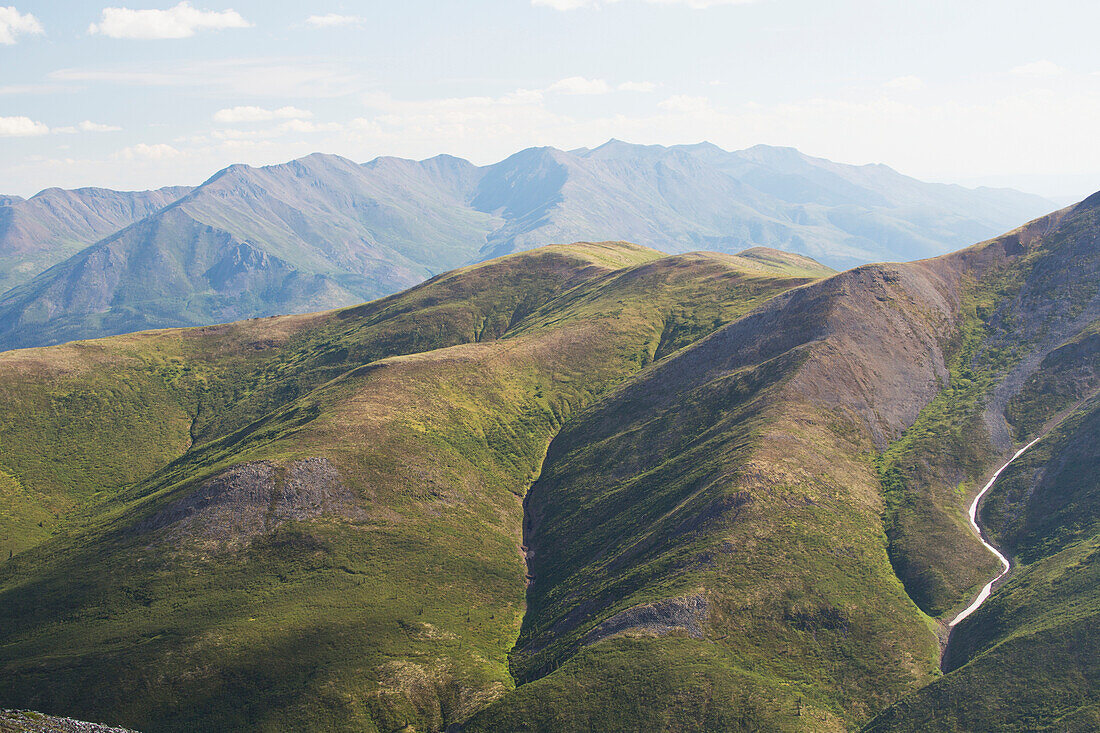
326	158
230	171
763	152
532	154
615	148
701	147
386	224
447	159
317	161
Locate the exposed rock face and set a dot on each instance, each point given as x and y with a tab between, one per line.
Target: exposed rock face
663	617
312	487
24	720
252	498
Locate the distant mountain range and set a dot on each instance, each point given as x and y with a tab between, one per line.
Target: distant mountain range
41	231
323	231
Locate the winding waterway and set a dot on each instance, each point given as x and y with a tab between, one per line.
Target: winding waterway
1005	564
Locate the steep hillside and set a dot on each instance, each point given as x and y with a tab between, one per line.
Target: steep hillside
721	507
323	231
319	526
724	497
41	231
1026	660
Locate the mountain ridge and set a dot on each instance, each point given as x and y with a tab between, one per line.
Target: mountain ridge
354	232
41	231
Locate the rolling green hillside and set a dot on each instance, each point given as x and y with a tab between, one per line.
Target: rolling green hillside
319	523
725	497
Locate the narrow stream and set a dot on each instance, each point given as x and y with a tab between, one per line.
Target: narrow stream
1005	565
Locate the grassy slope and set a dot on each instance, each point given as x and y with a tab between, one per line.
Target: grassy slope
626	508
401	612
1026	659
730	472
1007	326
143	398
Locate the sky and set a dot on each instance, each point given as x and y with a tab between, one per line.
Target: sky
146	93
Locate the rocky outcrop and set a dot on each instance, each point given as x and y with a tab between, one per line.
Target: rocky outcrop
27	721
252	498
687	614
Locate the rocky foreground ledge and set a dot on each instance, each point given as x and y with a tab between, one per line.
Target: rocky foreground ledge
26	720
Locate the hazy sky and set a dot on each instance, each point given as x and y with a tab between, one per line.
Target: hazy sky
145	93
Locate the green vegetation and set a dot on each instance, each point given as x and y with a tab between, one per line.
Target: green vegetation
1030	657
397	608
931	471
1049	500
675	684
725	493
1066	376
1027	659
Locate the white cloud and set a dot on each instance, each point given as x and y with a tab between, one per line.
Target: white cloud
905	83
403	126
283	128
991	130
945	139
141	151
576	4
332	20
87	126
232	133
683	104
14	23
21	127
32	89
259	114
1038	69
579	85
637	86
307	126
180	21
698	4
